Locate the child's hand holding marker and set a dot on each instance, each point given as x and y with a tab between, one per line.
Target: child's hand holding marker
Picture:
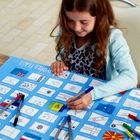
80	101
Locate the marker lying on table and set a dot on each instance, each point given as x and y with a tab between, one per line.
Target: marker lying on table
135	118
129	135
68	120
60	128
18	112
15	99
69	127
82	94
131	129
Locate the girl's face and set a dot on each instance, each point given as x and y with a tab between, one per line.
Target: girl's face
82	23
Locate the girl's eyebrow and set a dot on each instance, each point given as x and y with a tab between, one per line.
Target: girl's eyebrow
84	20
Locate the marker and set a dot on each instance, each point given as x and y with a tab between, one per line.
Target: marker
18	112
133	117
69	127
129	135
82	94
60	128
15	99
40	78
131	129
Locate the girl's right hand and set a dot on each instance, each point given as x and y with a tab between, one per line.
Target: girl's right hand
58	67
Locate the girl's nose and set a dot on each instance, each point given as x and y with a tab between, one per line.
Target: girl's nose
77	27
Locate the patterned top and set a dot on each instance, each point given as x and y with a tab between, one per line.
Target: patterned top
82	60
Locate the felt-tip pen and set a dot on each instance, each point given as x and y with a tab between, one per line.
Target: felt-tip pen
60	128
135	118
129	135
18	112
131	129
69	127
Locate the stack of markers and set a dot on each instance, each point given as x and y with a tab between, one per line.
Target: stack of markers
19	97
130	130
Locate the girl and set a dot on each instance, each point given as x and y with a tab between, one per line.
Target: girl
90	43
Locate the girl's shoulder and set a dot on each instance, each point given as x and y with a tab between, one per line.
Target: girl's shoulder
115	34
116	40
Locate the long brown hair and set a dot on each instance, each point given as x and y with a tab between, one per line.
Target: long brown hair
104	19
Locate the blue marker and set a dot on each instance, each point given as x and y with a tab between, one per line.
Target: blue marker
82	94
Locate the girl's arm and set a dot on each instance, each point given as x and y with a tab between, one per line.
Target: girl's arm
121	71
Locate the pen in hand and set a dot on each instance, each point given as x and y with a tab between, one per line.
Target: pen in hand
82	94
18	112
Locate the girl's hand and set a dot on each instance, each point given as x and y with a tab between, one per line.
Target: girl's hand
81	103
58	67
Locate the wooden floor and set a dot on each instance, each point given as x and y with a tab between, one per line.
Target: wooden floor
25	26
3	58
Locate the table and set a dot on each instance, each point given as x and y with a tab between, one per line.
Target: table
45	104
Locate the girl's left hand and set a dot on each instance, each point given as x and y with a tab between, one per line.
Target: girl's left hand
81	103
